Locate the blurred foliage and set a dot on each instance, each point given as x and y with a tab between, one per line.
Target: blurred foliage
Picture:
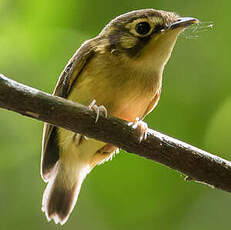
37	38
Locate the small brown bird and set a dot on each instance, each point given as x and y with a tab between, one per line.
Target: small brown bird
121	70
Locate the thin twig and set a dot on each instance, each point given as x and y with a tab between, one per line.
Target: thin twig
197	164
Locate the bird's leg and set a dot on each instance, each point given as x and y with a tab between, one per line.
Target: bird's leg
108	150
78	138
98	109
141	127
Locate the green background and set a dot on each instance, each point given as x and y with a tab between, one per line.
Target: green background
36	40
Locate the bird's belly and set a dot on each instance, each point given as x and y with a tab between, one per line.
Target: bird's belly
123	103
126	103
129	107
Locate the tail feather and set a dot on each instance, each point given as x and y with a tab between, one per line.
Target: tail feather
61	194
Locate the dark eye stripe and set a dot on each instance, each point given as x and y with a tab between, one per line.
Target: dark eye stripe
158	28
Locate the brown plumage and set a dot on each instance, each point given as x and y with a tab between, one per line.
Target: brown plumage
122	70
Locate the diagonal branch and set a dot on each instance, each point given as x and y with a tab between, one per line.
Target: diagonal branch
193	162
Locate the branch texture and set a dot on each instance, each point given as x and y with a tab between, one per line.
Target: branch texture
197	164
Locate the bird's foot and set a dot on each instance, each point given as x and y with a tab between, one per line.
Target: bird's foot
98	109
141	127
79	138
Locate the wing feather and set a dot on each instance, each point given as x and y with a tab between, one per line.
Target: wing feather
50	148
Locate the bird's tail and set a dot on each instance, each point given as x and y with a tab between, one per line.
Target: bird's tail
62	191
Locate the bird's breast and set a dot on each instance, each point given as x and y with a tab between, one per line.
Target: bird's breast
126	92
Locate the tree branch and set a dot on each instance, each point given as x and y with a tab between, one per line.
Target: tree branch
195	163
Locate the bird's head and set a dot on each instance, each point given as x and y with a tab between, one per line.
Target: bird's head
146	36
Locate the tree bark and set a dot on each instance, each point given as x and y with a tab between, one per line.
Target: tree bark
197	164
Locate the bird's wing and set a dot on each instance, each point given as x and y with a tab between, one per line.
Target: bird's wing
50	148
153	102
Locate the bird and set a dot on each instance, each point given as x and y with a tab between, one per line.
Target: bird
117	73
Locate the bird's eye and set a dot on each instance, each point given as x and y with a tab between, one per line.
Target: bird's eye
142	28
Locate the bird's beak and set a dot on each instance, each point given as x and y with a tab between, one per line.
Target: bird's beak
183	22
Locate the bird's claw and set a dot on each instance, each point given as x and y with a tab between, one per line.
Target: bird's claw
141	127
98	109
